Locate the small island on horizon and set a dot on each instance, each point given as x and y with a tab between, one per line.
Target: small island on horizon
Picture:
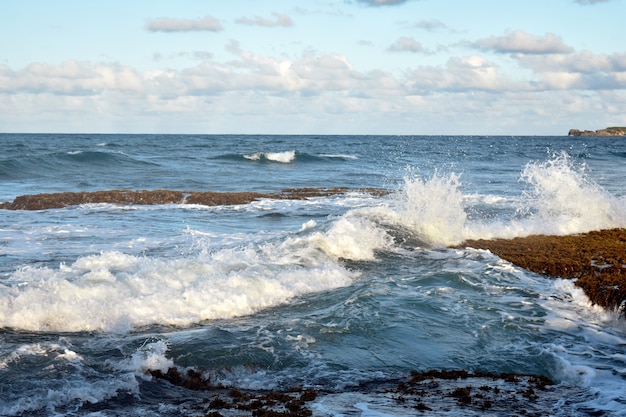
609	131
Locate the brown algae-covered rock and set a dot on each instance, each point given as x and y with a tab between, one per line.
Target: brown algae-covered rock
596	259
151	197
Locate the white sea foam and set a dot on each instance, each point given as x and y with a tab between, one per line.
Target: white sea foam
69	393
117	292
352	237
254	156
308	225
282	157
150	356
339	156
70	396
594	364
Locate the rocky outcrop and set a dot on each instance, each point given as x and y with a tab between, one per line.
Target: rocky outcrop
439	392
596	259
145	197
609	131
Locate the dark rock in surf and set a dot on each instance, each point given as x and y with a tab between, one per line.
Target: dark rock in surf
152	197
596	259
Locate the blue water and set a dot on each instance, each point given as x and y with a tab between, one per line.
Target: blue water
332	293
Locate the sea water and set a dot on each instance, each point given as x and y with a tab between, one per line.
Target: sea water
332	293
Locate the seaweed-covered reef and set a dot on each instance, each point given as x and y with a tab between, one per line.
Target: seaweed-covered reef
596	259
153	197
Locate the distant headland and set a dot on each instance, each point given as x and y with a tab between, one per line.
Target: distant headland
609	131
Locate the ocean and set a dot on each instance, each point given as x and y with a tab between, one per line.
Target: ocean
343	294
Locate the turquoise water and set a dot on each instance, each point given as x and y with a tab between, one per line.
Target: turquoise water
332	293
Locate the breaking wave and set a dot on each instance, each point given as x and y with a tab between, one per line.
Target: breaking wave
287	157
557	198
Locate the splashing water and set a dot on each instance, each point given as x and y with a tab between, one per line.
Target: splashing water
433	209
564	201
560	200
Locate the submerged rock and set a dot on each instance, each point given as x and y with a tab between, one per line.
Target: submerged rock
457	392
596	259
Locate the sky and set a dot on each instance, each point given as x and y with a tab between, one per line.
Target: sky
399	67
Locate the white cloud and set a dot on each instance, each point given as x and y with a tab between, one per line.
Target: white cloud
524	43
430	25
590	1
70	78
469	73
406	44
165	24
382	2
579	62
281	20
195	55
581	70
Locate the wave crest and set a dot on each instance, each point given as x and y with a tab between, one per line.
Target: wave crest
285	157
116	292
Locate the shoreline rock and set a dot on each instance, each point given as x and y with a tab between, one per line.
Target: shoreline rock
596	259
439	391
46	201
609	131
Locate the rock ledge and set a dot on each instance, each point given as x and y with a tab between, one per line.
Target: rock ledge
609	131
596	259
152	197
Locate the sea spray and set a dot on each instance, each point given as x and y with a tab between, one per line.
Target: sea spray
559	199
563	200
149	356
354	238
433	208
425	212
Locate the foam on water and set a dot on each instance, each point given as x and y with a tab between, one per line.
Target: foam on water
282	157
339	156
117	292
68	393
352	237
597	364
150	356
